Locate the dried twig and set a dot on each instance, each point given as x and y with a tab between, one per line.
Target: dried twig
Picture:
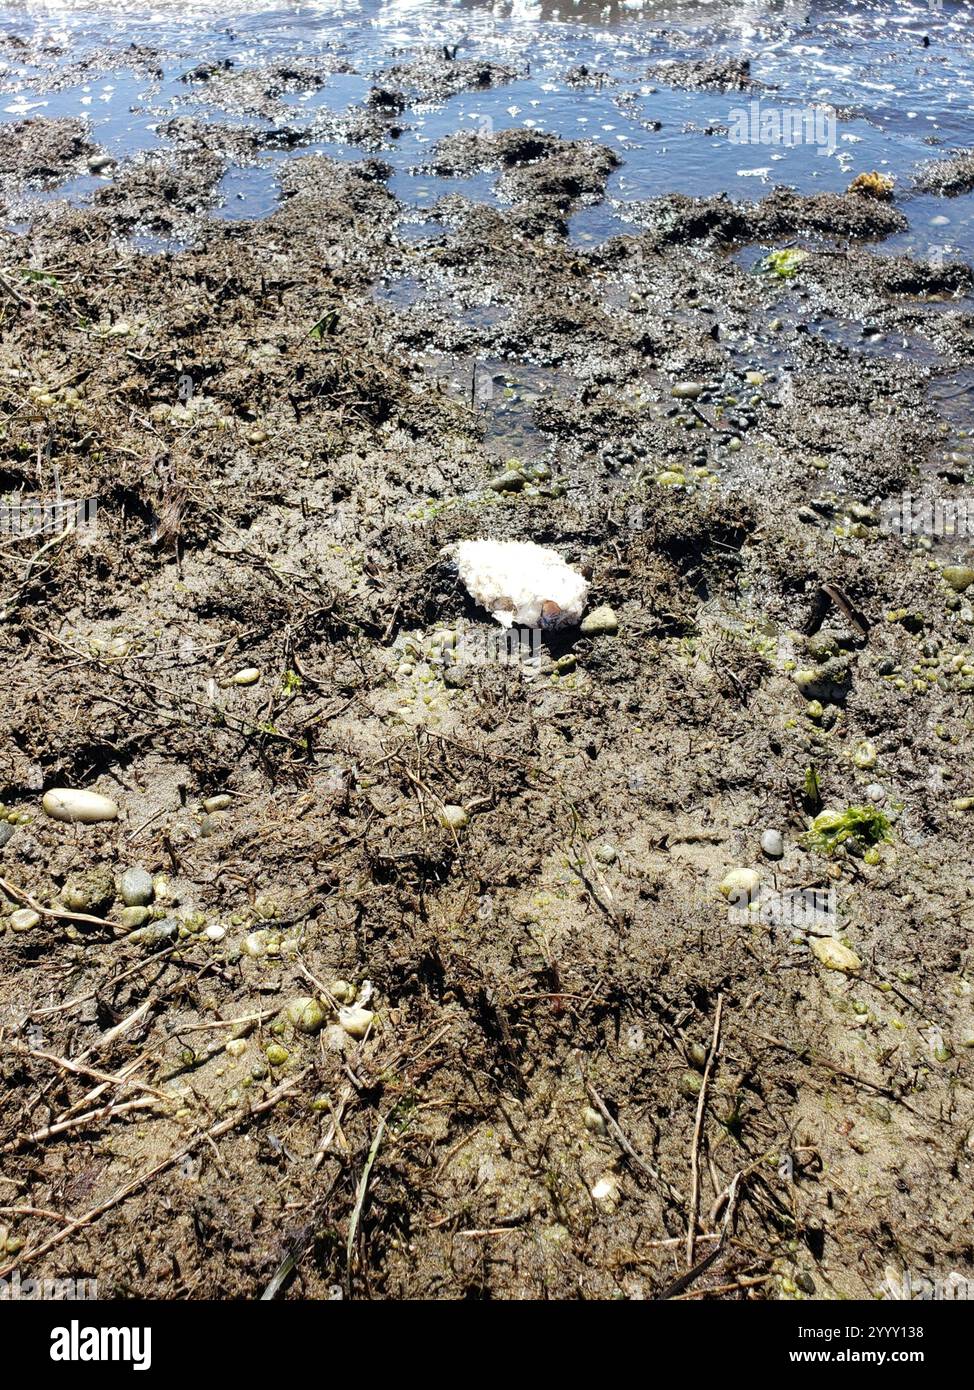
363	1184
697	1132
116	1079
106	1112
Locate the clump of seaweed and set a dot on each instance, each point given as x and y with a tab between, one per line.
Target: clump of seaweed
860	828
784	263
873	185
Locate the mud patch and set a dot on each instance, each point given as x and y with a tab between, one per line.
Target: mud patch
437	74
950	176
708	74
564	173
44	151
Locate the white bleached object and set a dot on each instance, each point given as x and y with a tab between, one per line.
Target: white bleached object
520	582
87	808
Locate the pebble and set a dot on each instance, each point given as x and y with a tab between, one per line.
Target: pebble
453	817
687	390
607	854
6	830
834	956
217	803
605	1193
959	577
875	792
740	884
215	932
24	919
132	917
865	756
250	675
260	943
276	1054
356	1021
85	808
89	892
236	1047
98	163
827	682
267	906
600	622
154	932
305	1014
821	647
593	1120
773	844
163	889
509	481
136	887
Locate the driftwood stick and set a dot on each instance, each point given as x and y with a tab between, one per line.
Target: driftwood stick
698	1132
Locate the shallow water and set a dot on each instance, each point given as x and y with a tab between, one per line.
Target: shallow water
899	101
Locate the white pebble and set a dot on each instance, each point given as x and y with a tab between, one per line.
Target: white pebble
250	675
773	844
356	1021
740	884
605	1193
87	808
